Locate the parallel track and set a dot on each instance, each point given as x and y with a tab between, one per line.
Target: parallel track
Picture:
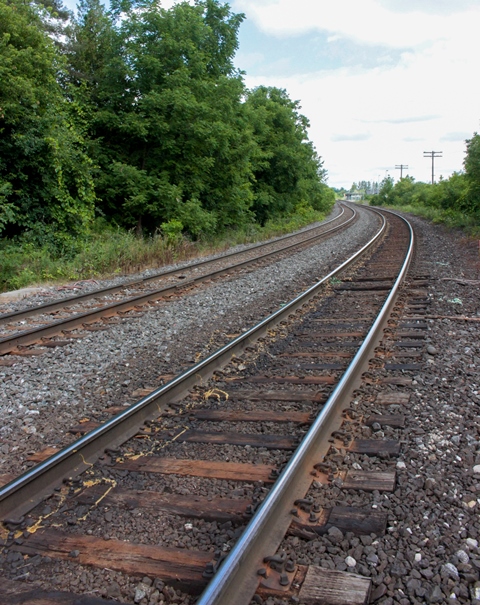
322	388
104	310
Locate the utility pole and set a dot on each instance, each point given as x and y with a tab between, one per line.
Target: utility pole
433	155
401	167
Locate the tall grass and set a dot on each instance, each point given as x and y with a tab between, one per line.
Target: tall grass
107	252
453	219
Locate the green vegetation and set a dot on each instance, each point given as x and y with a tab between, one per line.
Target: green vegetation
136	119
107	250
454	201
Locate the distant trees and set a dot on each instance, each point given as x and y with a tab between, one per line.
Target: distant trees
458	194
138	114
365	187
384	196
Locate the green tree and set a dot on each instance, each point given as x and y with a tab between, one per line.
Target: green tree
287	169
402	192
92	49
166	122
385	196
470	201
45	176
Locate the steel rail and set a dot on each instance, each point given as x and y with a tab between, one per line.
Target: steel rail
73	300
23	493
27	337
236	580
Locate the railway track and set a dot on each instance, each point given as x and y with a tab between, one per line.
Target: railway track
225	463
55	323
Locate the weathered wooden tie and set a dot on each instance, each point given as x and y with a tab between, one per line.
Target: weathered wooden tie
393	398
183	568
359	521
273	442
314	585
211	509
252	416
25	593
286	379
287	396
212	469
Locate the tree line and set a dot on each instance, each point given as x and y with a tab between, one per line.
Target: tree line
365	187
137	114
457	195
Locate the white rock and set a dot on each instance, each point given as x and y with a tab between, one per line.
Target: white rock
356	466
350	561
401	464
418	557
471	543
140	593
449	570
476	469
462	556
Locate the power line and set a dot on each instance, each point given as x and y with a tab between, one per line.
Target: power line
401	167
433	155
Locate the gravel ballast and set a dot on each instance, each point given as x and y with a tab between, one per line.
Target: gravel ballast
46	395
430	553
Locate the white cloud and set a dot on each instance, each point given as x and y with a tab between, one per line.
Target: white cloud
456	136
367	21
405	120
429	6
362	136
427	100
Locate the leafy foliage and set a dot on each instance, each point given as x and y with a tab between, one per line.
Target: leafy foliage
138	115
45	175
470	201
286	167
168	125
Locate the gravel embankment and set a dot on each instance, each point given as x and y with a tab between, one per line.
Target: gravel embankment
44	396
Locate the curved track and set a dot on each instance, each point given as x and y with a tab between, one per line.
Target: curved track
296	369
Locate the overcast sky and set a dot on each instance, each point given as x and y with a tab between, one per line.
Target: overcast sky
381	81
